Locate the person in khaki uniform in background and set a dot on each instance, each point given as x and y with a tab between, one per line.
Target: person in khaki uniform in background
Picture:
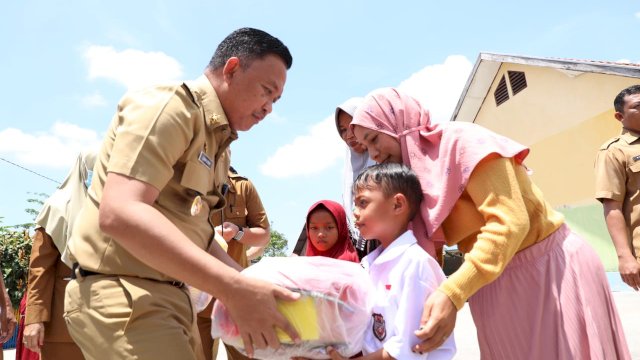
45	331
617	170
144	227
244	225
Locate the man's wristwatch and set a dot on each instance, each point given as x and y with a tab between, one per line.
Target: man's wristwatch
238	236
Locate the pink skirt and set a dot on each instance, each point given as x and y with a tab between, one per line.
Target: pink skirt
551	302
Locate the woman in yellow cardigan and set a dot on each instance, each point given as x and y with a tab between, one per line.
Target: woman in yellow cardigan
536	290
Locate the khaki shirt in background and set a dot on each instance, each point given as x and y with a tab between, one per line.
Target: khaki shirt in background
617	170
175	139
243	208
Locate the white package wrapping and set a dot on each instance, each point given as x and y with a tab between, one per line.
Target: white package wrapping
334	307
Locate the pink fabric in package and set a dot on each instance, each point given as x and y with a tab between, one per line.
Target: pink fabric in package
334	307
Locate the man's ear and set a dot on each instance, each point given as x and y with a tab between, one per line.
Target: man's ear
400	203
618	116
230	67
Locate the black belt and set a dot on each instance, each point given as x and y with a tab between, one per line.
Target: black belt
85	273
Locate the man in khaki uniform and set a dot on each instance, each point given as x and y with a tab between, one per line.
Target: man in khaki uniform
245	227
617	169
144	227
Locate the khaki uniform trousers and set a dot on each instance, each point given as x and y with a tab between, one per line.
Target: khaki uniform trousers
123	317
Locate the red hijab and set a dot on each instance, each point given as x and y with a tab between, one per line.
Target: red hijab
343	249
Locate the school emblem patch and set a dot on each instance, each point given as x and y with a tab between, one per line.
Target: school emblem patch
379	330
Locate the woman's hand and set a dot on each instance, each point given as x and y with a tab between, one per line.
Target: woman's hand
437	322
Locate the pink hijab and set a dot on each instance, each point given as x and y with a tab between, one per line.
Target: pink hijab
343	249
442	155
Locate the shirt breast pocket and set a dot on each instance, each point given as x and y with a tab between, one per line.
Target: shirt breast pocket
197	180
236	207
196	177
634	173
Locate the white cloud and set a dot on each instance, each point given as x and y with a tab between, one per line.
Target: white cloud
307	154
94	100
638	15
437	86
56	148
627	61
276	118
131	68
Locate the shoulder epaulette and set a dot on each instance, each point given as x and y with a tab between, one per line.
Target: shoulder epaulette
237	177
609	142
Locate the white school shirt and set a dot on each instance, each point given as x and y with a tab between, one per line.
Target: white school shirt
403	276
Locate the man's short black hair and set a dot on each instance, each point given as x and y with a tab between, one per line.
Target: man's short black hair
618	102
249	44
391	179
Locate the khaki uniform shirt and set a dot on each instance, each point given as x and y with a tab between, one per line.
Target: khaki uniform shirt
244	208
617	170
175	139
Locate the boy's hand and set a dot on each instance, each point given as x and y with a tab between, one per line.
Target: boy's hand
437	322
335	355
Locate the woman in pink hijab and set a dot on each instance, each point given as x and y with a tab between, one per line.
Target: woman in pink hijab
536	290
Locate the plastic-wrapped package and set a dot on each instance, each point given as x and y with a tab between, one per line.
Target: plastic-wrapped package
199	298
334	309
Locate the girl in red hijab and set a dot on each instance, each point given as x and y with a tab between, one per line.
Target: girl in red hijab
328	233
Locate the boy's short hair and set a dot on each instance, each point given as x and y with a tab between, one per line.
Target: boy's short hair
392	179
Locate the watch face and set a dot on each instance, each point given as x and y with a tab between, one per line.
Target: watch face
239	235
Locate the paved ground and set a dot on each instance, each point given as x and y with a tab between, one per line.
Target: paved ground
628	307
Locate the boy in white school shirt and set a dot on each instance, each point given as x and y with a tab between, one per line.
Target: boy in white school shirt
387	197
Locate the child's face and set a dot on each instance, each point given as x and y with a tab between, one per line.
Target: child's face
374	212
323	230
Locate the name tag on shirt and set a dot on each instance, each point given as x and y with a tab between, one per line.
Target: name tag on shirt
205	160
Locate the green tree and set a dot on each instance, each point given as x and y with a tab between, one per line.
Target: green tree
15	250
277	246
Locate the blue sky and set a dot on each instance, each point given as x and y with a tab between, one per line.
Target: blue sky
65	65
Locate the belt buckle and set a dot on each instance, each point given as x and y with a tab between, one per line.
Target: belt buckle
178	284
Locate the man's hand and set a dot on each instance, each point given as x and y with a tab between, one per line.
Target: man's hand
34	336
629	269
437	322
258	328
7	323
616	224
227	230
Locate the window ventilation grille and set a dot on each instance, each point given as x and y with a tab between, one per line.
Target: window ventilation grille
518	81
502	93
